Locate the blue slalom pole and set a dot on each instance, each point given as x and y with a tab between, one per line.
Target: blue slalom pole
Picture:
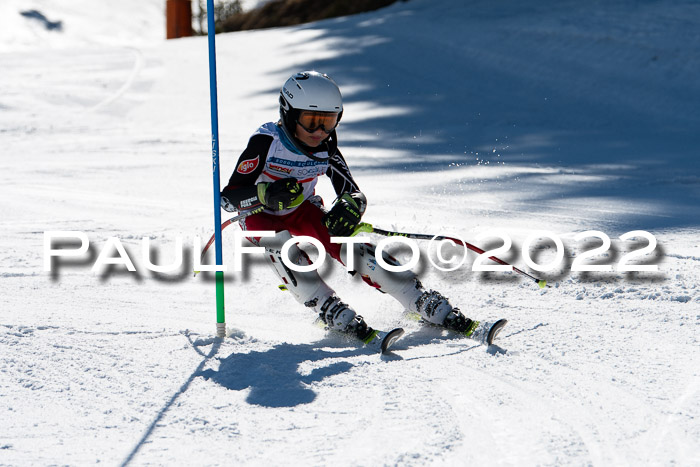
220	311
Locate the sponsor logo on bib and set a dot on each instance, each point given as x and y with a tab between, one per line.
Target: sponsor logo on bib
279	168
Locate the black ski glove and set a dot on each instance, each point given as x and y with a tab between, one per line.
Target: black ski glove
346	213
280	194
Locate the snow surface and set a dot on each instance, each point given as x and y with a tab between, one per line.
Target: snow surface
461	117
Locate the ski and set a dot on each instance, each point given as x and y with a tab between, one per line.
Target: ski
495	329
483	332
486	332
387	339
382	340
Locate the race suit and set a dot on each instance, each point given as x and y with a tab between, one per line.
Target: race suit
270	156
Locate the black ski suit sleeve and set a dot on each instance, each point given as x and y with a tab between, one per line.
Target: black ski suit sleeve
338	170
340	175
241	192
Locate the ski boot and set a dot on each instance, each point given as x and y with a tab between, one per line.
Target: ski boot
357	327
434	307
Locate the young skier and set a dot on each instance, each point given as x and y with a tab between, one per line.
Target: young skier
279	169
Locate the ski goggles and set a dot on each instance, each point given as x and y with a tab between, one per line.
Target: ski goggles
311	121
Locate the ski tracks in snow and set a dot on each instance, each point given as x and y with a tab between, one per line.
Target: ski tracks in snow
135	70
95	387
659	436
547	419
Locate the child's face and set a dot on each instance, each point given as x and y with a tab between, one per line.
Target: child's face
312	140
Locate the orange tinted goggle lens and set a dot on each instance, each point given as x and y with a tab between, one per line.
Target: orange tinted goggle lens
312	121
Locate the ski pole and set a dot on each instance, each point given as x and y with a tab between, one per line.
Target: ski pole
226	224
369	228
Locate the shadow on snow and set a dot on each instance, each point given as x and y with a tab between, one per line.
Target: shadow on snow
273	375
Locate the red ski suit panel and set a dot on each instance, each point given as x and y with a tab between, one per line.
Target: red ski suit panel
304	220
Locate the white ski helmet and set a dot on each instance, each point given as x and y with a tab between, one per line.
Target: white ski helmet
308	90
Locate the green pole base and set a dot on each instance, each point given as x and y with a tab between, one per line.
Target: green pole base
221	330
220	313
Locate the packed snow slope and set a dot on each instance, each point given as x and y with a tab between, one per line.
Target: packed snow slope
461	117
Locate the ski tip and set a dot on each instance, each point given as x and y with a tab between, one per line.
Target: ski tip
390	338
495	329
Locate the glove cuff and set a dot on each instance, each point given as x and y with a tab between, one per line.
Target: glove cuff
357	199
262	187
